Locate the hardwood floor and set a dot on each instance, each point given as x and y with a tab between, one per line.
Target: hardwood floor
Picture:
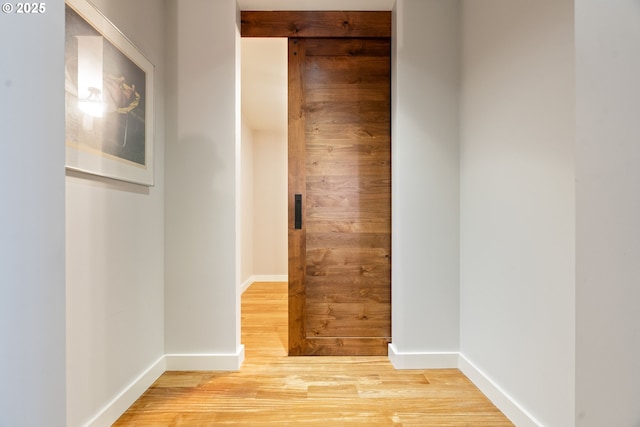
274	389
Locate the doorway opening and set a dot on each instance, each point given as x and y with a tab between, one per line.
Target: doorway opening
338	148
264	160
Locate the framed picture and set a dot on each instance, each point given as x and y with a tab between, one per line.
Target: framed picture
108	99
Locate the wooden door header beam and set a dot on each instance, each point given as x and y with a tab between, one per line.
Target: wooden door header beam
315	24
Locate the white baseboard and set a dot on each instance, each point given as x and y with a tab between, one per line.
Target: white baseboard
232	362
205	362
414	360
245	285
263	278
425	360
509	407
170	362
114	409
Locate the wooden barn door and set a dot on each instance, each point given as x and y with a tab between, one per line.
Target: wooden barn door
340	170
339	178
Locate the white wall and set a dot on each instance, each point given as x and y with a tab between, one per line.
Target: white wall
608	209
247	209
115	255
264	206
425	297
32	302
202	176
270	204
517	201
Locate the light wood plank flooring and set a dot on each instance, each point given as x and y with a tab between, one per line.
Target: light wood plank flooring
273	389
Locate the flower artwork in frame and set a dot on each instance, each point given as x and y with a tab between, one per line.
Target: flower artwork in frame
108	99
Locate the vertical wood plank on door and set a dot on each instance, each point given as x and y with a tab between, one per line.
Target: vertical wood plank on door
297	185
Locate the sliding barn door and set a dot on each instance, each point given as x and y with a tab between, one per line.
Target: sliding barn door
339	196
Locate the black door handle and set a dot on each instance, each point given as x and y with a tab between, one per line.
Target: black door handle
298	212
